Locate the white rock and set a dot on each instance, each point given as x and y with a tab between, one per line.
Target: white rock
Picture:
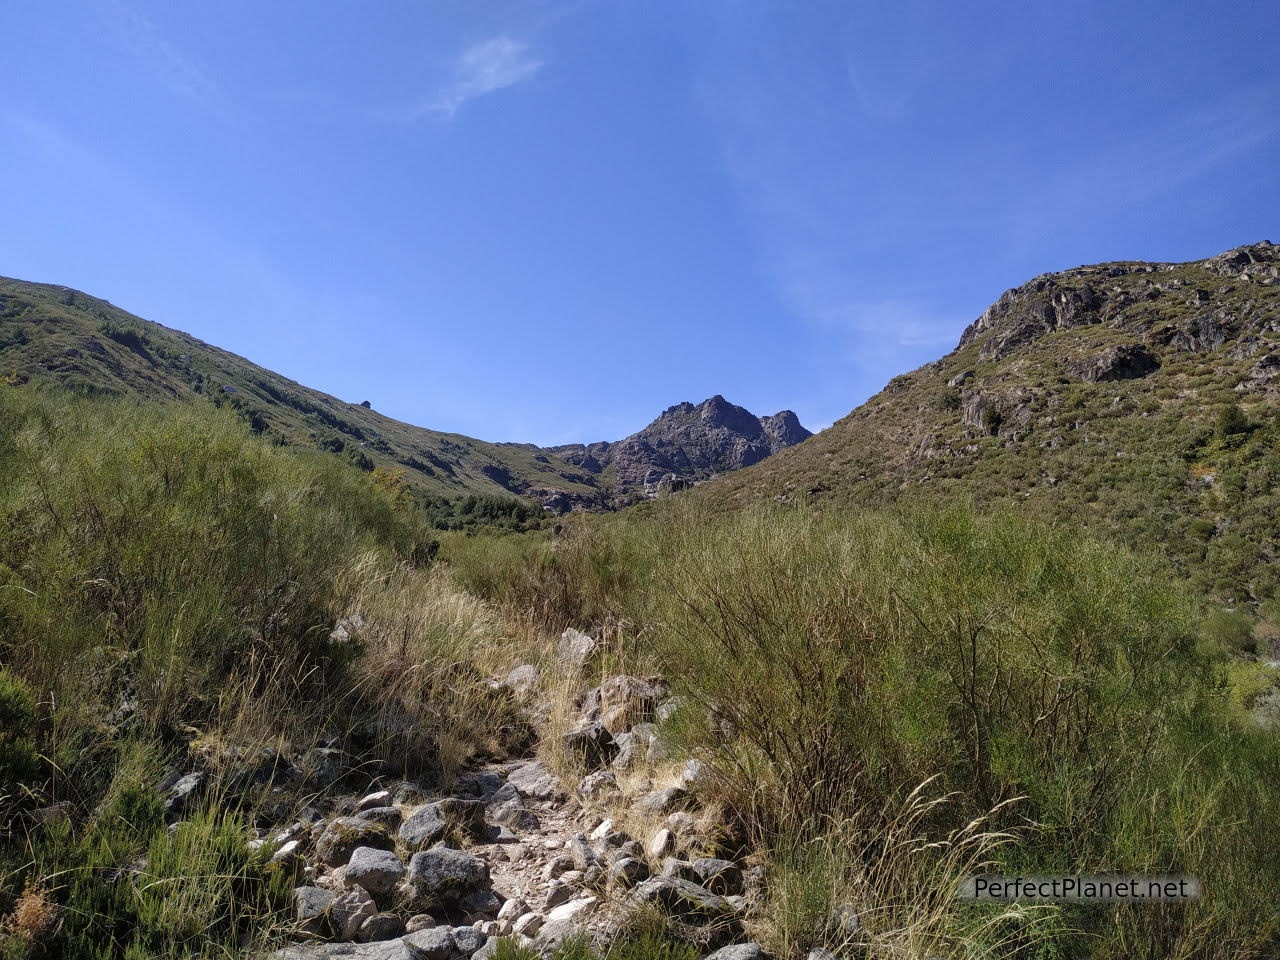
286	852
527	925
513	908
600	832
573	910
662	844
576	647
380	799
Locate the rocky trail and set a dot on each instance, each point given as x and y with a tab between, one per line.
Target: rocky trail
513	851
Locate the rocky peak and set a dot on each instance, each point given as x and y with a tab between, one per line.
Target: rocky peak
1128	297
784	429
687	443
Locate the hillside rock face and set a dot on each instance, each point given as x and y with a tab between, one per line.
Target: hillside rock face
1095	397
686	444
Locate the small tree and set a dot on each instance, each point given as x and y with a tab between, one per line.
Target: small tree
1232	422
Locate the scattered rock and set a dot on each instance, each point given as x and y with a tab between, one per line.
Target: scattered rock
680	870
442	877
740	951
591	746
514	814
528	924
480	905
682	899
425	827
468	940
694	774
626	872
513	908
844	920
621	702
343	835
576	647
534	780
719	876
557	866
407	794
1123	362
288	854
377	871
434	944
664	801
382	926
183	793
598	787
312	909
663	844
389	817
574	910
385	950
681	823
323	766
381	798
522	681
668	708
350	911
558	892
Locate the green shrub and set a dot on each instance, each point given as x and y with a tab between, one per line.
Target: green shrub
18	759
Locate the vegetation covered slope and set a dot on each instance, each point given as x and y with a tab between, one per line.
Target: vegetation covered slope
77	341
1137	400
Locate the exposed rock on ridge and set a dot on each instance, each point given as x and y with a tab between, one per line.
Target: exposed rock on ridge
688	443
1097	396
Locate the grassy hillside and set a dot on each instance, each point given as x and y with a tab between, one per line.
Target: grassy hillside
1138	401
50	333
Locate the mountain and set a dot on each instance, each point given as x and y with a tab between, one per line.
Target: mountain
56	334
89	345
686	444
1137	399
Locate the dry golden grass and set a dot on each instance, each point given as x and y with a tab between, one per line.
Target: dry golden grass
35	915
426	653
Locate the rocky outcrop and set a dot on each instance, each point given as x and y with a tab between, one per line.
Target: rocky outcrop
686	444
1127	362
1126	296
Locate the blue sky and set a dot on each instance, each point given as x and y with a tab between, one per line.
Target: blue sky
548	221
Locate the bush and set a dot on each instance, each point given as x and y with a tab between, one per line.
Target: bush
18	759
169	582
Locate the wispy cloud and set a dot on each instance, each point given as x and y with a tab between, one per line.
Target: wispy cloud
481	69
144	41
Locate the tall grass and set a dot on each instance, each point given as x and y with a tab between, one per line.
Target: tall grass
168	587
827	661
